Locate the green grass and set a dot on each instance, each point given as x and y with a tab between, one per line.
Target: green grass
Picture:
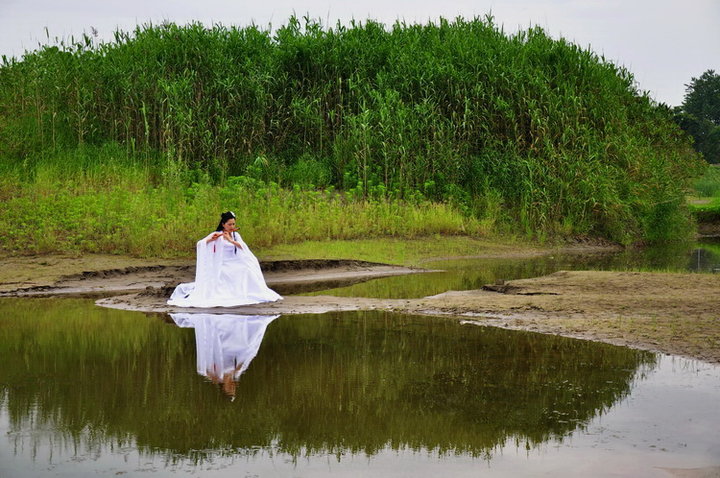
706	210
120	211
708	185
405	251
705	204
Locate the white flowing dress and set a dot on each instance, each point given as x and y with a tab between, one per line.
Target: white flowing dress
226	344
225	276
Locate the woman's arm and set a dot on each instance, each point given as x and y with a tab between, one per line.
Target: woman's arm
213	236
228	237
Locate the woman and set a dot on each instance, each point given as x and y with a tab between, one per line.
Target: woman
227	273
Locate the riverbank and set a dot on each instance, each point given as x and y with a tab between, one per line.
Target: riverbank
674	313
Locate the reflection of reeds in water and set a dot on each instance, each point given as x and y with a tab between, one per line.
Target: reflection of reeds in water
475	273
338	383
463	393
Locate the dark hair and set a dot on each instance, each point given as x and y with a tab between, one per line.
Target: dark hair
225	217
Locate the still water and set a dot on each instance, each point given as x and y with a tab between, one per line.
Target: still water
86	391
470	274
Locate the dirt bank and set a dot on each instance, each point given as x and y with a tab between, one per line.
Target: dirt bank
288	276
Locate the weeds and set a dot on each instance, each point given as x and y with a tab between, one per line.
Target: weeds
708	185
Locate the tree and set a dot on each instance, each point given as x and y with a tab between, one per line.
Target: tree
699	114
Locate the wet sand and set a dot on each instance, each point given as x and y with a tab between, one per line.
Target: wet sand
666	312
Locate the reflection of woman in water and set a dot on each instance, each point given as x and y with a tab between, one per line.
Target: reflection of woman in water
227	273
226	344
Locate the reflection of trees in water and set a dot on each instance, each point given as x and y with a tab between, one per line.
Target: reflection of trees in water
334	383
705	258
451	275
427	383
672	257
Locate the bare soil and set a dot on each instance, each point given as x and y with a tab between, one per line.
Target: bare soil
666	312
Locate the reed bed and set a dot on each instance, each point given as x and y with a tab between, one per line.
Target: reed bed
524	132
117	210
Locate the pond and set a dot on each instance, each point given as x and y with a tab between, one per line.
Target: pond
86	391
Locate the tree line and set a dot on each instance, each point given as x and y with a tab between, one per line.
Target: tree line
699	114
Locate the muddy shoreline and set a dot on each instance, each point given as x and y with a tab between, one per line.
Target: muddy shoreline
672	313
158	281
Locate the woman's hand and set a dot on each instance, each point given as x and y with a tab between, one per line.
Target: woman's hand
214	236
229	238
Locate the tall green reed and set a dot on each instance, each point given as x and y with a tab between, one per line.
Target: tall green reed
525	130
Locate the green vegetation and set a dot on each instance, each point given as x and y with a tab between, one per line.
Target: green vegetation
708	212
134	146
706	206
699	114
110	209
404	251
708	185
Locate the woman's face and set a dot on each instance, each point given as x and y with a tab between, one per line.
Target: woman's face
229	225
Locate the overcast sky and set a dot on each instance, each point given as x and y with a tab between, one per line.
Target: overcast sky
664	43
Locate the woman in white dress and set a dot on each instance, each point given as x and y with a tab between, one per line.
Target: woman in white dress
227	272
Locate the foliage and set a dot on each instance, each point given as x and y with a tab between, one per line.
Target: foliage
699	114
702	97
523	131
115	208
708	185
706	208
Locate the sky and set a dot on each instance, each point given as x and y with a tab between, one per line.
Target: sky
664	43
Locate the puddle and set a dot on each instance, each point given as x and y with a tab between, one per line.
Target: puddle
88	391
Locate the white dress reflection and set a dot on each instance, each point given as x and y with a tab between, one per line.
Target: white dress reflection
226	344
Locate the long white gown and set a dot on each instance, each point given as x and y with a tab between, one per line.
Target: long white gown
225	276
226	344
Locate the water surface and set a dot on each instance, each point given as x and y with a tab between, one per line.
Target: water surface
86	391
470	274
